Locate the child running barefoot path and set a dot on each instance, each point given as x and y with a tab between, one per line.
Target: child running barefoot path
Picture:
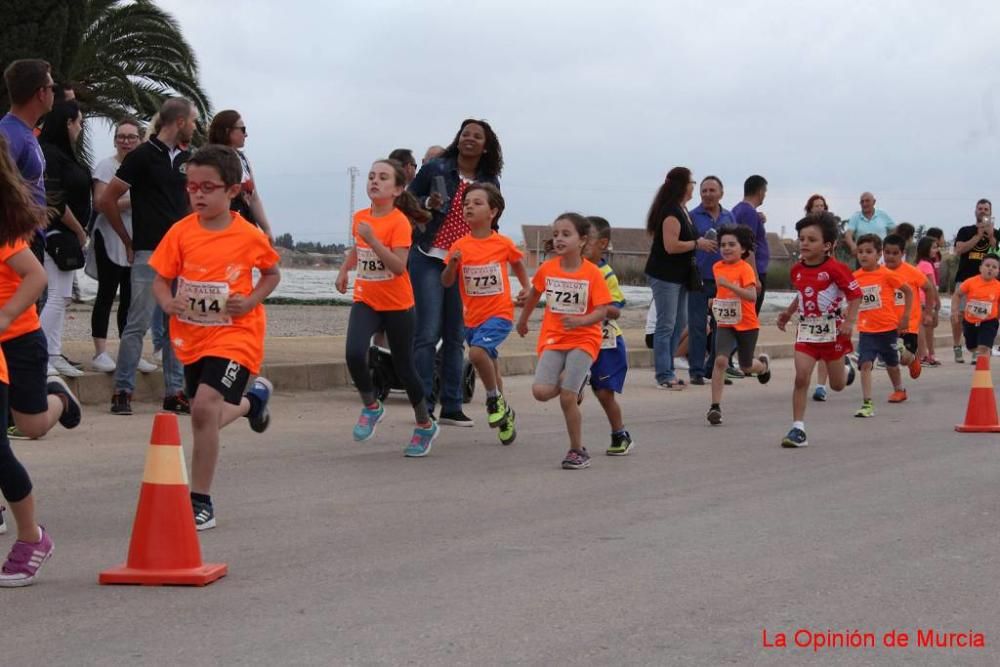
824	330
607	375
383	300
734	308
218	314
20	216
481	258
879	325
576	302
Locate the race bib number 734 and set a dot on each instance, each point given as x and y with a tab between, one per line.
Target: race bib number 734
817	330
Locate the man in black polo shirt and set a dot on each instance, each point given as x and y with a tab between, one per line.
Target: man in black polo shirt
972	243
154	174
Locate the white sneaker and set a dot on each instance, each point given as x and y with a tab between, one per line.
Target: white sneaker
63	367
158	357
51	372
103	363
681	363
145	367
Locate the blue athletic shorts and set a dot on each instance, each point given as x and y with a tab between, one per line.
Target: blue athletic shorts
489	335
872	345
610	368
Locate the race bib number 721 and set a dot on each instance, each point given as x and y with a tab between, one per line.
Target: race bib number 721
567	297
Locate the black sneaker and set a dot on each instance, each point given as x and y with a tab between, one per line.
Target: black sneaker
764	377
456	418
583	388
260	418
70	417
178	404
121	403
621	444
697	379
851	373
3	524
714	416
204	515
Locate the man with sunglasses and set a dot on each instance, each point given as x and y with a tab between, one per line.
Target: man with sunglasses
32	94
154	175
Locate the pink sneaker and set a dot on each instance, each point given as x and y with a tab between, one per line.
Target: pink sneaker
24	561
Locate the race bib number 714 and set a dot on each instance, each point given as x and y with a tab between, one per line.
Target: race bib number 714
205	303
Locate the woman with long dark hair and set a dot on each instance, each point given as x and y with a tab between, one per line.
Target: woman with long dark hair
473	156
67	187
669	268
229	129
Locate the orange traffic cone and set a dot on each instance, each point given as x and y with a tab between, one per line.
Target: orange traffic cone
164	547
981	416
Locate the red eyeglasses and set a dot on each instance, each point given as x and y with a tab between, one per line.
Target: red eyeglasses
205	186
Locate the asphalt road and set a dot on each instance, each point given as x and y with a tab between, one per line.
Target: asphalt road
685	552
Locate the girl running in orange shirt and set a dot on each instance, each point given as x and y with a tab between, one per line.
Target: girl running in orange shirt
576	302
734	308
383	300
19	217
482	257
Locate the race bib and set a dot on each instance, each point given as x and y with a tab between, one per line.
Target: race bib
978	310
728	312
817	330
483	280
871	297
900	299
370	267
205	303
609	337
567	297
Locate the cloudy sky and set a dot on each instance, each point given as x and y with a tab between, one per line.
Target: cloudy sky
593	103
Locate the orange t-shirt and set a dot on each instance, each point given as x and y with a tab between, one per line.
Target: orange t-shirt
483	276
877	313
374	284
570	293
209	267
4	377
981	299
730	310
27	321
916	280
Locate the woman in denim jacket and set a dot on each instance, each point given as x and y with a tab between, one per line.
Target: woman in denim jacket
473	156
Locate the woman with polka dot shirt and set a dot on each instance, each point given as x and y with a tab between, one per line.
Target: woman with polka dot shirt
473	156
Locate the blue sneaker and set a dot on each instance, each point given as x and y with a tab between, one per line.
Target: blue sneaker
820	393
369	419
795	438
259	416
420	443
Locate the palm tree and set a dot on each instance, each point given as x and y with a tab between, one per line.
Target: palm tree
122	57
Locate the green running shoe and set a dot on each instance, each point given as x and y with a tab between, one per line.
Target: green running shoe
496	410
867	410
507	433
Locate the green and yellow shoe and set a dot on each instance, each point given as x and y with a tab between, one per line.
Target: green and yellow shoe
496	410
14	433
507	433
867	410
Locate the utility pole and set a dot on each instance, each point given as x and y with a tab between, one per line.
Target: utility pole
353	172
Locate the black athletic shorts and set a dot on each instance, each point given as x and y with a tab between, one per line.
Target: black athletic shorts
227	377
27	364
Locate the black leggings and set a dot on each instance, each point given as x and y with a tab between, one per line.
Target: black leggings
14	481
398	326
111	279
